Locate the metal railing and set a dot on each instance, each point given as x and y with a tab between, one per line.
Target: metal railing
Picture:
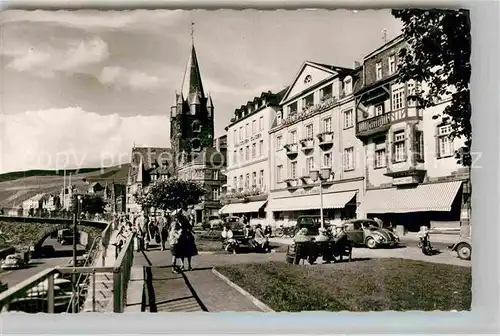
40	294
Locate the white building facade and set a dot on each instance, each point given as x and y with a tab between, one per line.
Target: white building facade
315	132
248	171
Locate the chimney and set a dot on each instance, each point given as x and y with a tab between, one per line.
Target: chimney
356	64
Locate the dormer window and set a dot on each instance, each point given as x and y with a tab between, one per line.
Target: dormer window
348	85
279	117
196	126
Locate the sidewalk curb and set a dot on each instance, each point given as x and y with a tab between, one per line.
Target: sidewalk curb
262	306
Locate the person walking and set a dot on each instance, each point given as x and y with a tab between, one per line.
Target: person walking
186	245
141	224
162	227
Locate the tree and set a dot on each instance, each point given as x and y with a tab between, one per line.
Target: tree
91	203
171	195
438	54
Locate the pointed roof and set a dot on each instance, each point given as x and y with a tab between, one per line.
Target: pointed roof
210	103
192	77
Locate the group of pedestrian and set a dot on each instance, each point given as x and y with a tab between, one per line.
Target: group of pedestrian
175	229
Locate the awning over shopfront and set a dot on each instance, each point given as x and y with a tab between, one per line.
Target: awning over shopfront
311	202
242	207
424	197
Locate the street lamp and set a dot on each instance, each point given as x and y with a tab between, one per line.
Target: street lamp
75	235
315	176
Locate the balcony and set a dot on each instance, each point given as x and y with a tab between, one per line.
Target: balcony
325	138
380	123
292	149
307	144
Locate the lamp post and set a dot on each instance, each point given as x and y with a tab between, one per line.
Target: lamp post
76	218
315	176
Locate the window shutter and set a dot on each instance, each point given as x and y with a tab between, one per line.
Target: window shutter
389	150
414	149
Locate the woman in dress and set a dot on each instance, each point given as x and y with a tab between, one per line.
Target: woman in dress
186	245
173	240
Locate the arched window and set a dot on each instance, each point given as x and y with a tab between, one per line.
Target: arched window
196	144
279	117
196	126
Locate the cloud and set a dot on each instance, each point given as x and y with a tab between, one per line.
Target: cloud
47	60
51	139
115	75
93	19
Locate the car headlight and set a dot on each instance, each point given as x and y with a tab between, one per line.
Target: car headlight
378	237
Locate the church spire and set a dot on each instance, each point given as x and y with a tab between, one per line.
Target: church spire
191	83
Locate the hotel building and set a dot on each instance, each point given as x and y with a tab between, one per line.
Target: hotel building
314	134
412	175
248	153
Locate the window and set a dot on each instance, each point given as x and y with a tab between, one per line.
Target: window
379	109
247	153
235	137
254	150
411	94
292	109
241	182
247	181
247	130
327	125
293	169
327	160
261	178
399	146
309	131
215	193
235	156
392	64
347	85
279	117
349	158
279	173
241	134
241	155
216	175
348	119
419	145
254	127
379	70
398	98
261	123
254	179
308	101
293	137
380	160
309	164
278	142
196	126
445	144
235	183
261	147
326	92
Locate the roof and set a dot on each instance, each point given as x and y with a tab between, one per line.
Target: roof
192	77
146	159
386	45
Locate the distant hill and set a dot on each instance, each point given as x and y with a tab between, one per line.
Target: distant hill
19	186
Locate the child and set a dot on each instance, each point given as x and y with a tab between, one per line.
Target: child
173	240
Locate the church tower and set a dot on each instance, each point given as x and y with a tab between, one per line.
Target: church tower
192	112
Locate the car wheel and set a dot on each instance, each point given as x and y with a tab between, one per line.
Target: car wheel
371	243
464	251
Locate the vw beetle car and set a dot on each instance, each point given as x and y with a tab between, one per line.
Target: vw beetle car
367	232
463	247
13	261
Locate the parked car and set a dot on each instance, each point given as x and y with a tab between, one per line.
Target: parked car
463	247
367	232
13	261
215	222
65	237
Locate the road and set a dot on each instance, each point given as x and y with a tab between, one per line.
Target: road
13	277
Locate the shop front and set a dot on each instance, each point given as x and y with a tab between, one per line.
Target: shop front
253	211
337	207
410	208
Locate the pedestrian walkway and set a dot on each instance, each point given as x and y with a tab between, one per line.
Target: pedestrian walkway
104	281
196	290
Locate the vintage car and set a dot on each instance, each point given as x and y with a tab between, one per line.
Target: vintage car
13	261
368	232
463	247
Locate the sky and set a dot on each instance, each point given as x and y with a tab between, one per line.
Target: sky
80	88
